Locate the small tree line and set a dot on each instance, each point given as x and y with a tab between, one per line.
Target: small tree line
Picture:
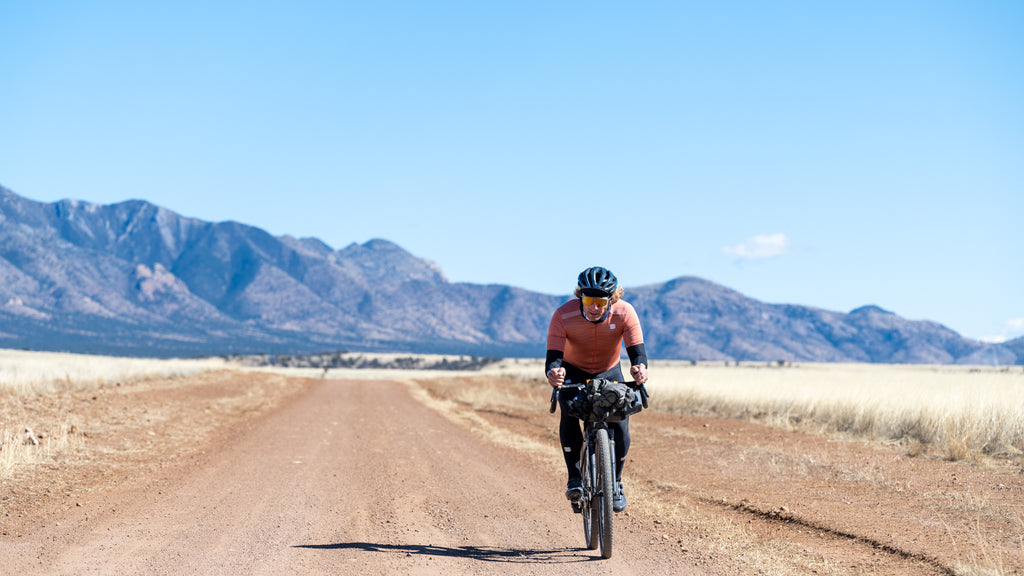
345	359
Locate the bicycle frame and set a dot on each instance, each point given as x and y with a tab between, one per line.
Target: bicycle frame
597	470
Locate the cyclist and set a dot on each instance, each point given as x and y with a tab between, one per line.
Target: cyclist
584	340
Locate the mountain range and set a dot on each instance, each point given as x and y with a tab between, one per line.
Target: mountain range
136	279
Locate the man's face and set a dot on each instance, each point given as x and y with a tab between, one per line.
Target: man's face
594	307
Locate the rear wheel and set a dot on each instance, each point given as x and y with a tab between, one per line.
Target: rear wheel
605	492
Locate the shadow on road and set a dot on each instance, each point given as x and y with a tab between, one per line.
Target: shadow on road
482	553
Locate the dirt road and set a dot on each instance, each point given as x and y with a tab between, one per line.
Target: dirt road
352	478
376	477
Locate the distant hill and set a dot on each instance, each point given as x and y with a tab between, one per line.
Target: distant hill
693	318
136	279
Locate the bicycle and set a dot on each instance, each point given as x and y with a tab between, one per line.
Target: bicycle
597	471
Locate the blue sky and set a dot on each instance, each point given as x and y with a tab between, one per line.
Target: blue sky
818	153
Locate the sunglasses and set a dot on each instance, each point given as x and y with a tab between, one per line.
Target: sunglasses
589	300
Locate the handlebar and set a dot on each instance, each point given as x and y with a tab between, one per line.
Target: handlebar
577	385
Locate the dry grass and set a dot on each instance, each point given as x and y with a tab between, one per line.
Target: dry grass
24	374
21	446
953	412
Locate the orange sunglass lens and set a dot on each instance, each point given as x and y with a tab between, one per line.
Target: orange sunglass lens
589	300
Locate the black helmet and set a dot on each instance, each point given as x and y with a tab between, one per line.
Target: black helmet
598	281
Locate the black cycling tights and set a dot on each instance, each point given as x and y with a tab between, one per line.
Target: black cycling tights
570	433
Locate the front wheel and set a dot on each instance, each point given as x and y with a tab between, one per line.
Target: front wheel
588	472
605	492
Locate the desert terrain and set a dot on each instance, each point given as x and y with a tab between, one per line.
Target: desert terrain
250	472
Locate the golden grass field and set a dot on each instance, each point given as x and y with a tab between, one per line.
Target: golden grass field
28	373
955	412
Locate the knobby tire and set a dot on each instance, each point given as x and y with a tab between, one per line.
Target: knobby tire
588	472
605	492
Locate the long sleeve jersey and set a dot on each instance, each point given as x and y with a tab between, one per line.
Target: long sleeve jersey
593	348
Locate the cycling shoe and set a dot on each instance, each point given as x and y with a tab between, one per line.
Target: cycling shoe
619	499
574	490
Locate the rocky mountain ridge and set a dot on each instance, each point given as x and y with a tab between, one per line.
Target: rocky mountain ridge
133	278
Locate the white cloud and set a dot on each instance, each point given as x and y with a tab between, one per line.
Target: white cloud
760	247
1014	327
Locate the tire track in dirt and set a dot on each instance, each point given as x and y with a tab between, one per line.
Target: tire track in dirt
782	517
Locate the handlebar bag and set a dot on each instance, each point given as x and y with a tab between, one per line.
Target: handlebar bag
605	400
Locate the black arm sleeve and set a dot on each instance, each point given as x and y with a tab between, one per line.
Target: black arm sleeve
637	354
554	360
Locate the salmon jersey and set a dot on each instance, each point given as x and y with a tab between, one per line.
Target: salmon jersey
591	347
